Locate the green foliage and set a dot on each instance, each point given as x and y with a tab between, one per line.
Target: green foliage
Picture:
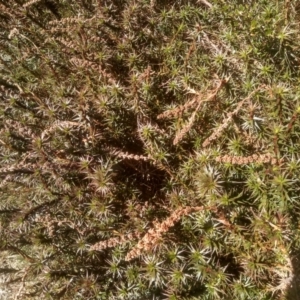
114	114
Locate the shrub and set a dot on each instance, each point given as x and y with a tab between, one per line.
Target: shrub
149	149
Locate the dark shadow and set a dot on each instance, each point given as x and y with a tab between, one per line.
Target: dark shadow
293	291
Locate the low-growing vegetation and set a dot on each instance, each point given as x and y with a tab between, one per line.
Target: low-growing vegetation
149	149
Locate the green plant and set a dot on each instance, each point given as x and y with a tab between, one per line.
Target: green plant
149	149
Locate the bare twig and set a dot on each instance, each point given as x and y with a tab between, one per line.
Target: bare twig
205	2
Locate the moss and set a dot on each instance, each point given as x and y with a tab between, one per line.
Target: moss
126	120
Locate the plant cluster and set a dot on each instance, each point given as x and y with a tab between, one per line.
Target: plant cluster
149	149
